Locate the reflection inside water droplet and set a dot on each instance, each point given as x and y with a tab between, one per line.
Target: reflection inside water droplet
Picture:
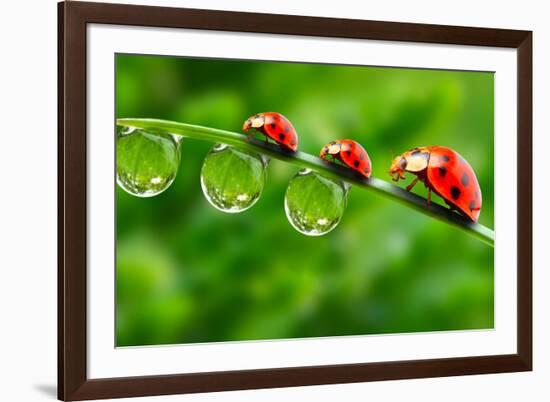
147	163
125	130
232	180
314	204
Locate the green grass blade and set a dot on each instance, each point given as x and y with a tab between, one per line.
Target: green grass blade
304	160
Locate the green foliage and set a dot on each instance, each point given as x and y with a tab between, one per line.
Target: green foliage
189	273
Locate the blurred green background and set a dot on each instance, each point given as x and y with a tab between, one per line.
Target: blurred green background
187	272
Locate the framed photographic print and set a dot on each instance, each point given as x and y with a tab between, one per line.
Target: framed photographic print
253	200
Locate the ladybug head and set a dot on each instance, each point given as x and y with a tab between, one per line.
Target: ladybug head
255	121
398	167
332	148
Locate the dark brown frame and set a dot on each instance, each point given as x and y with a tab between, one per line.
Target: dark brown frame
73	383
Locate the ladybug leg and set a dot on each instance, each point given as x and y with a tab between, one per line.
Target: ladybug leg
413	183
429	196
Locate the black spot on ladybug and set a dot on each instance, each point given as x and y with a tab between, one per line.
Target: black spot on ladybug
366	170
442	171
281	136
465	179
445	158
287	129
356	163
472	205
348	152
273	125
362	156
455	192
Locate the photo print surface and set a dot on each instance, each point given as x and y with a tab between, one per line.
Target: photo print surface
220	242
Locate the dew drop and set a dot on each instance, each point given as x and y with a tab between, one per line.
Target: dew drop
126	130
314	204
232	180
147	163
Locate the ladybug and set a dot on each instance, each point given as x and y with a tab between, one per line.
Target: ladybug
444	172
275	126
349	153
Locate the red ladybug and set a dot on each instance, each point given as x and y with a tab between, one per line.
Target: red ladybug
275	126
444	172
350	153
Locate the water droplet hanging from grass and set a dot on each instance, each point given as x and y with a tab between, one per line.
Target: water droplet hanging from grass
232	180
147	163
314	204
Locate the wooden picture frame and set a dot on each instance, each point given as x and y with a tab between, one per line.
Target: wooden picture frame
73	382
